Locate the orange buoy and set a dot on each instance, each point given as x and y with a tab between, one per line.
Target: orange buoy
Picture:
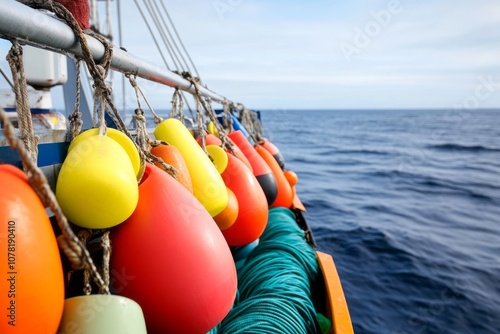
171	155
291	177
253	208
275	152
260	168
173	259
228	216
210	139
284	197
239	154
32	286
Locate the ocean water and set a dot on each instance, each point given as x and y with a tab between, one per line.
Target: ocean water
408	204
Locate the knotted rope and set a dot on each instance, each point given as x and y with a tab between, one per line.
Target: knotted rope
251	122
143	141
207	106
75	119
177	105
228	119
15	59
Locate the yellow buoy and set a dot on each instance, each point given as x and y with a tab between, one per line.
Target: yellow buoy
208	186
97	186
218	157
212	129
125	142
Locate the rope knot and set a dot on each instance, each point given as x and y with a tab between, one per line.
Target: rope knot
139	115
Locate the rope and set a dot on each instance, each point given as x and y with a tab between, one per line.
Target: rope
205	103
75	119
138	90
274	283
106	256
177	105
228	119
143	142
84	236
74	250
15	59
251	122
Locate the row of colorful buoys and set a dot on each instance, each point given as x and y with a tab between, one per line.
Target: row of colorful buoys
177	259
174	259
32	286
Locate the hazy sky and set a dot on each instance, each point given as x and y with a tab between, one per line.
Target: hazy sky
286	54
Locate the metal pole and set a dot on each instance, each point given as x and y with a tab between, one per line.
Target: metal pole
38	29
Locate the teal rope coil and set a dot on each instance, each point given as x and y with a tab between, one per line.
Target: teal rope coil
274	283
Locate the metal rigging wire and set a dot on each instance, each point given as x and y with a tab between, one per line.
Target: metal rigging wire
172	40
153	35
179	39
166	42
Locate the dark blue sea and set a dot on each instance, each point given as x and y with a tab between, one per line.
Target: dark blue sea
408	204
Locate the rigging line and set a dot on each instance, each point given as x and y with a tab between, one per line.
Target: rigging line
179	38
95	14
108	19
153	36
109	36
170	50
120	41
158	10
7	79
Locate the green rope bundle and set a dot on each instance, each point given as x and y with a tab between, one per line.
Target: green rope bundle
275	283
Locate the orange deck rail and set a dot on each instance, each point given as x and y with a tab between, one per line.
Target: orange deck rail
336	304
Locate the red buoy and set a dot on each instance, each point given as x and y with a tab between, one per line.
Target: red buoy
260	168
253	209
285	194
172	259
275	152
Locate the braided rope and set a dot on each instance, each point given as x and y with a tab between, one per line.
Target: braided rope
15	59
75	119
143	141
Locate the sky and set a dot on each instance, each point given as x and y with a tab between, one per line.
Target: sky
336	54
